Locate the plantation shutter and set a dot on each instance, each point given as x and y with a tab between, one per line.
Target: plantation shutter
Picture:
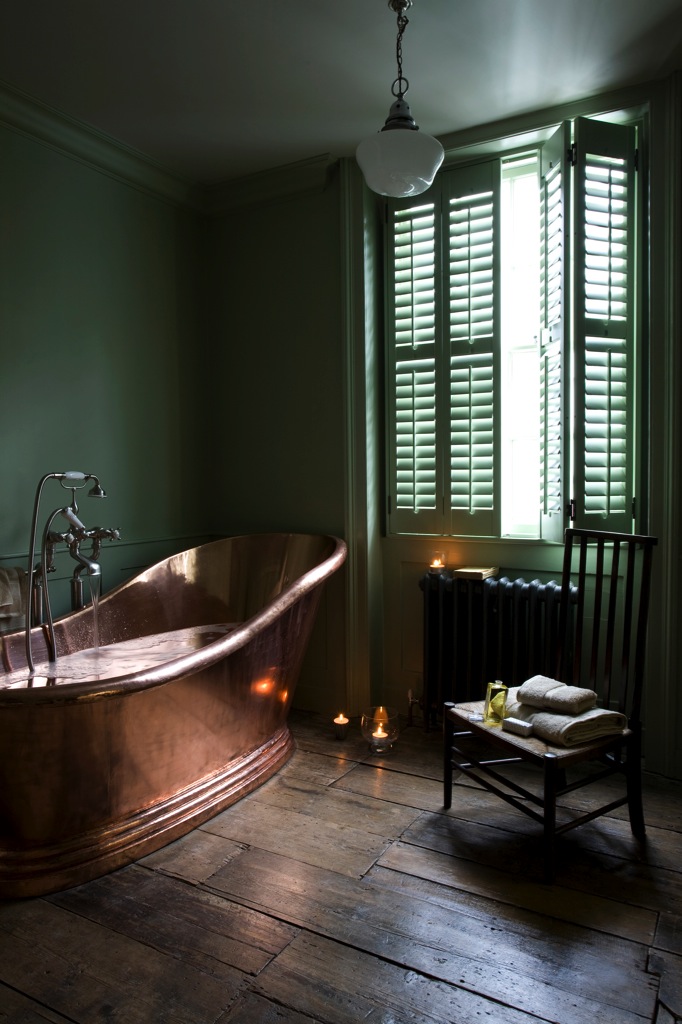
605	210
554	348
471	215
415	480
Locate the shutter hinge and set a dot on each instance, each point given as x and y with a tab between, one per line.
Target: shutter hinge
636	159
570	510
634	507
572	154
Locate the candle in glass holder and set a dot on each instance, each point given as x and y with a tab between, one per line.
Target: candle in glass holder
437	565
380	726
340	726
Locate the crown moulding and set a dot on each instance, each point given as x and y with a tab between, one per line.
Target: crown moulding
82	142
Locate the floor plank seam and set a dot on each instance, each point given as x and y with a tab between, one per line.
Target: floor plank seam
417	972
65	1019
671	1016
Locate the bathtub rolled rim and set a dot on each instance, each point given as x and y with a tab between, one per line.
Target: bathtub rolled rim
187	665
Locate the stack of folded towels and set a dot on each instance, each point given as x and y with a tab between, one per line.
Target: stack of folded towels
561	714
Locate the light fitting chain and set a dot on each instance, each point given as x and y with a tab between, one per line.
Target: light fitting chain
401	84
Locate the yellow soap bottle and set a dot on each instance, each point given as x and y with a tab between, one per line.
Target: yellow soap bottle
495	703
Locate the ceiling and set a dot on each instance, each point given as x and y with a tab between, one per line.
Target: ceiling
213	90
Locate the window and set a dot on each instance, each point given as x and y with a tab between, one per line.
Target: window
512	307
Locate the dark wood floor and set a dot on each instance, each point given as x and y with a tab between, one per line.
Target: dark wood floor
340	892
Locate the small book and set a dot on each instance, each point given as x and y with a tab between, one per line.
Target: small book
475	572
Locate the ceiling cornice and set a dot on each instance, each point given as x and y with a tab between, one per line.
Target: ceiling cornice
23	114
78	141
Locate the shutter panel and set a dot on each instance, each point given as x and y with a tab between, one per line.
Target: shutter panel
605	210
415	483
556	206
471	199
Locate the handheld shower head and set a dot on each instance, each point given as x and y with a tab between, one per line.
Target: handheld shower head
75	480
96	491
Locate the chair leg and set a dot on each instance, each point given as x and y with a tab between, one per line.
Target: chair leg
448	732
633	779
551	773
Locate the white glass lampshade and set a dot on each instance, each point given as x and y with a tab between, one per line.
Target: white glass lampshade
399	162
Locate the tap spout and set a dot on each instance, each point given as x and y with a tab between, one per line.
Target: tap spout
92	568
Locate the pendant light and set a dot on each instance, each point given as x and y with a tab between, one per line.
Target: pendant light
399	160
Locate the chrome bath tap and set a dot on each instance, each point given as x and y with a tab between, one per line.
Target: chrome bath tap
76	535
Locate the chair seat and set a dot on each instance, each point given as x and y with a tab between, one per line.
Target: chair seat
530	748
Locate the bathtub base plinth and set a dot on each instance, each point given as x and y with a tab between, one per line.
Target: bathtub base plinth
35	871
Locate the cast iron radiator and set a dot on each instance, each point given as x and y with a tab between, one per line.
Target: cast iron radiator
479	630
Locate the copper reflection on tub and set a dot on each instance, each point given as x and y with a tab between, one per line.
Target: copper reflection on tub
99	770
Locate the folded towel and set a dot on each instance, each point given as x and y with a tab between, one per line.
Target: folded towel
569	730
12	591
552	695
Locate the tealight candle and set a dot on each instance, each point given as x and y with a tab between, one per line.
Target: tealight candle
437	566
340	726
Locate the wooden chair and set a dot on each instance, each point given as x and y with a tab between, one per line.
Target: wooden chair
601	647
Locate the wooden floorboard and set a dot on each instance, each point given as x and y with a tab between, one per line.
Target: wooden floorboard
341	892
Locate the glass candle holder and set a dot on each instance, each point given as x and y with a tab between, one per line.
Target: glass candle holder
380	726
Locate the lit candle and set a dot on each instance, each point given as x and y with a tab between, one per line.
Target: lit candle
437	565
380	733
340	726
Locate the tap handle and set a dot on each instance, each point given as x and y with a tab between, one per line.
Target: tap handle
60	538
71	518
104	533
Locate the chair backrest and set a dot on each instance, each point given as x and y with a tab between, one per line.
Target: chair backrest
602	638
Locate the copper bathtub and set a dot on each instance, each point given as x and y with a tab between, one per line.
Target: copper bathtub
167	711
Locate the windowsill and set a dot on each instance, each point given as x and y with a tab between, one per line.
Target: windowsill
509	553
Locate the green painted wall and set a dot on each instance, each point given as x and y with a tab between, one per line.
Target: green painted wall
98	295
275	366
274	393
